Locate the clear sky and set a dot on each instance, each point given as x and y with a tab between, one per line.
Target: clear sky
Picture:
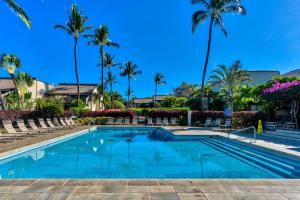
156	35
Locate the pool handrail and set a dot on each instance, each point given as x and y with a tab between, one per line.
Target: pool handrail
244	129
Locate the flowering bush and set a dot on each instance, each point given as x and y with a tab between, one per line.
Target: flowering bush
246	119
279	86
9	114
199	117
109	113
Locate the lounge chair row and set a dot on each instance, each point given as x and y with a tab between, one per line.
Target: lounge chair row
42	127
209	123
161	122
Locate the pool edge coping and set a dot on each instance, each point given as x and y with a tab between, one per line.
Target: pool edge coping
30	147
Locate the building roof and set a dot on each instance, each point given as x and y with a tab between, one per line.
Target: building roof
143	100
71	89
7	84
261	76
160	97
293	73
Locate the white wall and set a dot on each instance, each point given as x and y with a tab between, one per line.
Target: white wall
39	88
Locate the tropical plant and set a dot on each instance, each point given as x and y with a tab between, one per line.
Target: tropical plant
75	26
213	10
50	106
111	79
185	89
174	102
100	38
19	11
228	78
23	81
130	71
10	63
158	80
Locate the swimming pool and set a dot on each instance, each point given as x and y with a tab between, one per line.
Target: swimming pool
138	153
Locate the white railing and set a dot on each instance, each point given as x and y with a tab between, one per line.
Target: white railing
245	129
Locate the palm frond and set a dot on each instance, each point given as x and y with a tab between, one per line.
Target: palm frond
18	10
197	18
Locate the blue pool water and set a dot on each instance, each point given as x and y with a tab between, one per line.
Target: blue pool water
132	153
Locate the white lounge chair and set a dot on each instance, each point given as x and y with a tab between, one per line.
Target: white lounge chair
165	121
49	122
119	121
134	121
158	121
23	127
149	121
173	121
35	128
218	123
208	123
7	124
227	124
127	121
110	121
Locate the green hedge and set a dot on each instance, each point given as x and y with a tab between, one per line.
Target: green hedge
92	121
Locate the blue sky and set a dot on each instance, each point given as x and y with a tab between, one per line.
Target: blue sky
156	35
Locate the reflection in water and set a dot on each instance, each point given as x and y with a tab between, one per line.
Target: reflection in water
129	153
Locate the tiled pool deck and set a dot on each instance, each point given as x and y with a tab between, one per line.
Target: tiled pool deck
151	189
208	189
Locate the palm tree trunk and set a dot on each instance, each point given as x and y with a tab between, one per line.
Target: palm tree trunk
155	93
3	102
206	62
102	73
76	70
16	88
111	89
129	92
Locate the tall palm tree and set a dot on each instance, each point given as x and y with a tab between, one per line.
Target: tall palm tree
130	71
213	10
10	63
100	38
111	79
18	10
158	80
75	26
228	78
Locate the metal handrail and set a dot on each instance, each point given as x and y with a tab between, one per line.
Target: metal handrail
244	129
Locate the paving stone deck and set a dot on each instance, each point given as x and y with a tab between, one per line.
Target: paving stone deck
150	189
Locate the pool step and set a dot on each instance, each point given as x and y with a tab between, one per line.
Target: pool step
287	161
239	153
260	155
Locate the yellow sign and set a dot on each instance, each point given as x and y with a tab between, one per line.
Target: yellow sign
260	127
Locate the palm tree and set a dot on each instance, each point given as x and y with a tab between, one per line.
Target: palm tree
19	11
10	63
76	27
23	81
100	38
228	78
158	80
111	79
214	9
130	72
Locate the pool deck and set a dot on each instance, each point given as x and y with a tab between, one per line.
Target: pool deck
154	189
150	189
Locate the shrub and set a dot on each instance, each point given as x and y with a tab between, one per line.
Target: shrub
9	114
167	113
246	119
109	113
92	120
50	107
199	117
174	102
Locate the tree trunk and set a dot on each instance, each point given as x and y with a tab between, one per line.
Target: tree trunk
76	70
3	102
129	92
16	88
111	89
155	93
206	62
102	74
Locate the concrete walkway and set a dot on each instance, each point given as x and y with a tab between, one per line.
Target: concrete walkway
150	189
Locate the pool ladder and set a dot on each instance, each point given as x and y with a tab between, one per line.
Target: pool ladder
245	129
